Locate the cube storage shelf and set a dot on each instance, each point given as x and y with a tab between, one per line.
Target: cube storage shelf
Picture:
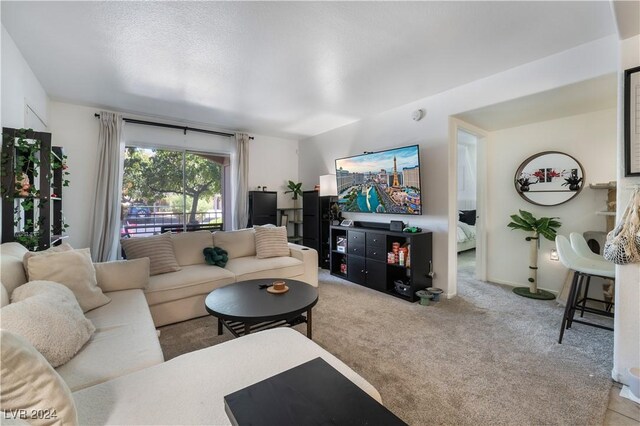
365	257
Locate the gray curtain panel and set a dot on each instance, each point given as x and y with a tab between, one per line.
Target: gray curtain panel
241	182
106	208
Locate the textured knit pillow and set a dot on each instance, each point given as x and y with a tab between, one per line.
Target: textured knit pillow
29	383
271	242
159	250
75	270
48	315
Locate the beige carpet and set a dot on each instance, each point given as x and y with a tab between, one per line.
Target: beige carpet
485	357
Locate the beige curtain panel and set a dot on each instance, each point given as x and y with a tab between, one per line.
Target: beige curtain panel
106	206
241	182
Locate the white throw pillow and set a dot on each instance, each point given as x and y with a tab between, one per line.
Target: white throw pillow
271	242
75	270
159	250
48	315
55	249
28	382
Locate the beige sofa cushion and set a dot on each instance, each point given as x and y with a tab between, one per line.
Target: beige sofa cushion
271	242
13	249
4	296
249	268
123	274
190	389
188	246
238	243
48	315
125	341
75	270
158	249
28	382
11	268
190	281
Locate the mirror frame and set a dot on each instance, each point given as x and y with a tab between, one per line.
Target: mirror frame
540	154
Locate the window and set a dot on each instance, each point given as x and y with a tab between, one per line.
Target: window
170	190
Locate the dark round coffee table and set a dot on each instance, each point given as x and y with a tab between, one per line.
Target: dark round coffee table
246	307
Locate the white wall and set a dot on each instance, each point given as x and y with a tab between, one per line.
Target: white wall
591	139
626	346
395	128
20	88
272	160
272	163
74	128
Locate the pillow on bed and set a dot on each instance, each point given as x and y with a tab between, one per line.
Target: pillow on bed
467	216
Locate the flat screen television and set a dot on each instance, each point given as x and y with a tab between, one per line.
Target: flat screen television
380	182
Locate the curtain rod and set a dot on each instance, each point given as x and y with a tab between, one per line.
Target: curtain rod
173	126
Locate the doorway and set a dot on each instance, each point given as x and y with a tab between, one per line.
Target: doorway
466	231
467	201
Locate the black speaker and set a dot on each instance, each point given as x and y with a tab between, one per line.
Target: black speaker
396	225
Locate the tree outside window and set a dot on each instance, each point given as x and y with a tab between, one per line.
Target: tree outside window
173	186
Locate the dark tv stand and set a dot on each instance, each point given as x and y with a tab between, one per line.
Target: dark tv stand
366	258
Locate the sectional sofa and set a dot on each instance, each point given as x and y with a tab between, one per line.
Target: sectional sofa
120	377
179	296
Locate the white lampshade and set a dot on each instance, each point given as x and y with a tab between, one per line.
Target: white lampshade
328	186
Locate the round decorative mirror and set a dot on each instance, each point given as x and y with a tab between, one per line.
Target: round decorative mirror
549	178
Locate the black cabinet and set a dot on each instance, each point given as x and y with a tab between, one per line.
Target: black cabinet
356	269
367	264
263	208
315	225
376	274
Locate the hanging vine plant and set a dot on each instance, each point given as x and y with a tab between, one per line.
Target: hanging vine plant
59	162
26	164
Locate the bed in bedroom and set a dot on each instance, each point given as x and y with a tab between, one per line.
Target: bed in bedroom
466	231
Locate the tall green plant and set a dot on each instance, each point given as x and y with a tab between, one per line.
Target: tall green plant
295	188
545	226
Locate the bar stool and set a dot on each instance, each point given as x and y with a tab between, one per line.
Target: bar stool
580	246
584	268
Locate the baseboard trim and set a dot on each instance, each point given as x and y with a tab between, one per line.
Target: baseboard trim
616	376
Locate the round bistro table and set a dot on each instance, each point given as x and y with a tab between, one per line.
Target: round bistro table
246	306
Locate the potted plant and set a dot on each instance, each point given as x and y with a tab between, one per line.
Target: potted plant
524	184
295	188
573	181
546	227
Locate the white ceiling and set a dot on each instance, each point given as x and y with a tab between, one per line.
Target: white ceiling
580	98
290	69
627	15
